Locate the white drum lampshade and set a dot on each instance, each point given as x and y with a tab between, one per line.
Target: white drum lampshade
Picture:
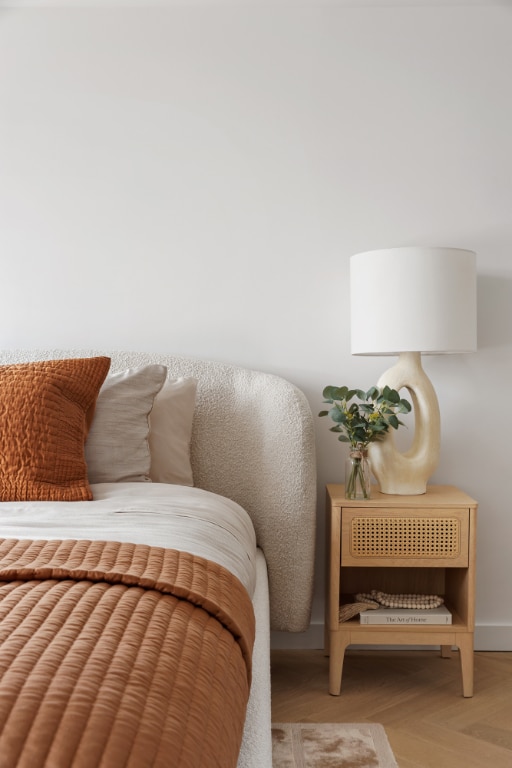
409	301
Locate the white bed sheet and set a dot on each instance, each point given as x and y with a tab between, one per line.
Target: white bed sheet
157	514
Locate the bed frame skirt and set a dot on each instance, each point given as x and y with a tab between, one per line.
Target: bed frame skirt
256	751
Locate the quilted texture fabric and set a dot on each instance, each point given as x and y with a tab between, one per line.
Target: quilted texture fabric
44	411
120	656
252	441
117	447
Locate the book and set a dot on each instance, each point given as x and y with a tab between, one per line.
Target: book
440	615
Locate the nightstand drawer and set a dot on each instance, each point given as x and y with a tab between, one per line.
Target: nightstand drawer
384	537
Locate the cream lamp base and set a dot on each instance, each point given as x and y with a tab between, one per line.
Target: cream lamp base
408	473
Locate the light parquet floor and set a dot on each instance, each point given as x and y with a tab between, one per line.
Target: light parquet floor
415	695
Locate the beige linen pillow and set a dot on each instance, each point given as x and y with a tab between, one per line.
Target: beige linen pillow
171	432
117	448
45	408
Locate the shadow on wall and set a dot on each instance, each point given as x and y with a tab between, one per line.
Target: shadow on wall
494	306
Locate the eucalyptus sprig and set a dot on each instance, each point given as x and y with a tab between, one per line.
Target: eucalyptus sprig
363	422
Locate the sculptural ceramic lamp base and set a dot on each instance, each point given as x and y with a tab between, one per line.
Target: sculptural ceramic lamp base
408	473
357	475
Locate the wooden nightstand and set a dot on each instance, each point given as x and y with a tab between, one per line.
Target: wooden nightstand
401	544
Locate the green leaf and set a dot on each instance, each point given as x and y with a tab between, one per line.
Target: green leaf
329	393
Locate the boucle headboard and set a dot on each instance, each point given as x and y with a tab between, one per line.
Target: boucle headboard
253	441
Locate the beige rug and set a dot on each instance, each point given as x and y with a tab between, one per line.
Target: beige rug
331	745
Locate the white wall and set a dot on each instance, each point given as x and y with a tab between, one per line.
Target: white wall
193	178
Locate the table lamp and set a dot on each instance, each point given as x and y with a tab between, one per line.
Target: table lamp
405	302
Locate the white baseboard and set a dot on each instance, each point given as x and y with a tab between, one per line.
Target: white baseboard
488	637
493	637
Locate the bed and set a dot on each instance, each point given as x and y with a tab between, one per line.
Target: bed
193	530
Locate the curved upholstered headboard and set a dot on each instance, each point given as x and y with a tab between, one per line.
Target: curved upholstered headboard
253	441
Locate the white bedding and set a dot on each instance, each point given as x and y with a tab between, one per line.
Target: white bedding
158	514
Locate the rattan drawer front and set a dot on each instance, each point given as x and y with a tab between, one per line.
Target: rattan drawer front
405	537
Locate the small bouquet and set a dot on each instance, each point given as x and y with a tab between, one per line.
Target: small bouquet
361	423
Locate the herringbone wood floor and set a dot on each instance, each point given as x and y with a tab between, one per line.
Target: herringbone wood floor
415	695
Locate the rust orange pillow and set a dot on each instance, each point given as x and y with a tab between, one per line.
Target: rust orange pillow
44	412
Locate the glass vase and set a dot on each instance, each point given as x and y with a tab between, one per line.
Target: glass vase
357	475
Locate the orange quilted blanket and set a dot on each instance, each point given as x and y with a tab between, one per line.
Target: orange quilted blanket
120	655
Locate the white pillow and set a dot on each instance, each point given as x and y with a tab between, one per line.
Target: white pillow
171	432
117	447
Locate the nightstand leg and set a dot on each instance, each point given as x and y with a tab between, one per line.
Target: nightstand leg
327	644
337	655
446	651
466	664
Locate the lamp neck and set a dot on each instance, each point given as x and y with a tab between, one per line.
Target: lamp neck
405	371
410	361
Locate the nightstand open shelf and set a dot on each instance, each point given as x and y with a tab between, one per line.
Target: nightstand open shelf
401	544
